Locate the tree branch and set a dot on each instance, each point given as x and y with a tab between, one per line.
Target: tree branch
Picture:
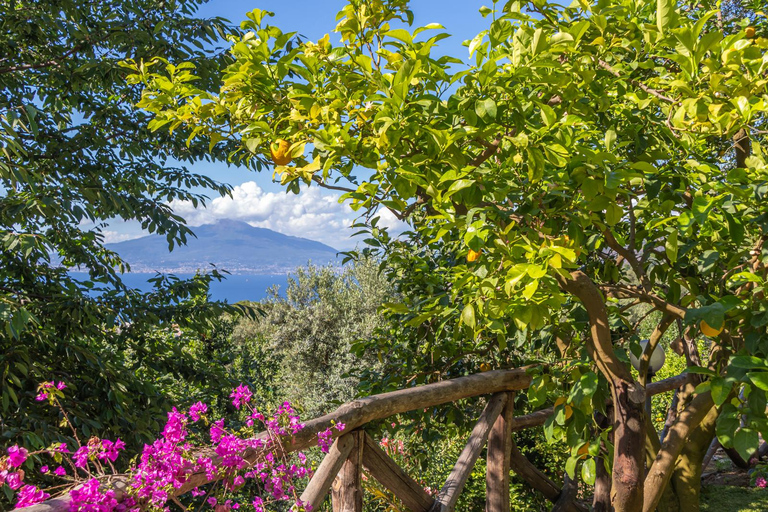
662	468
652	92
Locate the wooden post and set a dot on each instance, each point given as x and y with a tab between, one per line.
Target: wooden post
498	460
347	489
449	494
390	475
321	482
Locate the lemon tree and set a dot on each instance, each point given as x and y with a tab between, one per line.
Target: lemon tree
587	162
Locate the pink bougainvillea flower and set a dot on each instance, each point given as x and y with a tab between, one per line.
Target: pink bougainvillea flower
29	495
60	471
81	456
175	429
240	395
60	385
197	410
17	455
90	498
110	450
13	480
761	482
44	469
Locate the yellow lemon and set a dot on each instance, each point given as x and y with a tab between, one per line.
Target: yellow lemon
473	255
279	150
707	330
484	367
750	32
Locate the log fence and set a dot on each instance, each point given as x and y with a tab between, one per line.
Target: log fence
354	450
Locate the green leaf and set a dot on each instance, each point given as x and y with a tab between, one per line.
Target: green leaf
759	379
570	466
665	14
468	316
613	214
671	246
486	109
610	139
530	289
588	471
748	362
720	390
746	441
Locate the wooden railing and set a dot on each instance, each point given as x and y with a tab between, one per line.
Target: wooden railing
340	472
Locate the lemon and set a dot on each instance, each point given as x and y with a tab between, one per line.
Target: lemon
279	150
473	255
710	331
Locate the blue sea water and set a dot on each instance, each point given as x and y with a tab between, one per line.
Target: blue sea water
233	289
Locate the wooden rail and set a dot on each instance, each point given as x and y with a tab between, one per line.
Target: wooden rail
353	449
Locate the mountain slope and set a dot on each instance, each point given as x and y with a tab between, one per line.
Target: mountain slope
230	245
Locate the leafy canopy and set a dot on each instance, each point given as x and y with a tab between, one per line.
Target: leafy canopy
75	153
608	145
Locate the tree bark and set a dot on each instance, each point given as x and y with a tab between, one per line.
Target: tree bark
629	447
663	467
628	397
347	489
601	501
686	480
498	460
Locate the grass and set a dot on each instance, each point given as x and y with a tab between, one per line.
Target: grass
723	498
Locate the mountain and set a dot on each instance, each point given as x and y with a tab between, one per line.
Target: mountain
231	245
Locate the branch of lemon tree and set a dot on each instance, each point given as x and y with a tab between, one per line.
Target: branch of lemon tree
620	291
653	92
601	350
490	149
656	335
630	256
323	184
661	470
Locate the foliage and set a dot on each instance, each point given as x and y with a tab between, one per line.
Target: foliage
75	153
596	159
300	349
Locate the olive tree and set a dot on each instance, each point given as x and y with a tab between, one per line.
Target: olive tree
590	160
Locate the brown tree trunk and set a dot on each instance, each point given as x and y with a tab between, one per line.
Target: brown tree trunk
664	466
686	480
629	446
601	501
628	397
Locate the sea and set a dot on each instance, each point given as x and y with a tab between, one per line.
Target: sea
235	288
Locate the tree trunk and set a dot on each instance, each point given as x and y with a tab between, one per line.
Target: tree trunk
601	501
686	480
664	466
629	447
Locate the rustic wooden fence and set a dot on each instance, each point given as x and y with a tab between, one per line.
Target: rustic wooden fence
340	472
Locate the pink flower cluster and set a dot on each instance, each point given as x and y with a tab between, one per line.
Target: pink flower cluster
230	457
167	463
13	477
392	446
325	438
761	482
47	390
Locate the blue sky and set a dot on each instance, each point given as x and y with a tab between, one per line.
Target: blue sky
315	213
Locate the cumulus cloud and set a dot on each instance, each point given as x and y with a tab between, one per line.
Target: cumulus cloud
112	237
311	214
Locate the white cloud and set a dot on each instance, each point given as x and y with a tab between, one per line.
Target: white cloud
310	214
112	237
